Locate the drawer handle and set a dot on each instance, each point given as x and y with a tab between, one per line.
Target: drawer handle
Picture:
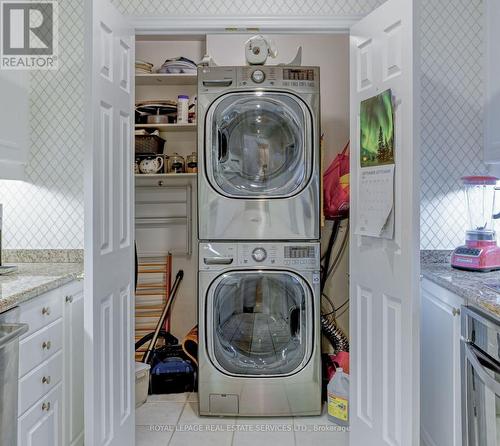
46	311
46	406
69	299
46	380
46	345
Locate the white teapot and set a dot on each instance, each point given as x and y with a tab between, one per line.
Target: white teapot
151	165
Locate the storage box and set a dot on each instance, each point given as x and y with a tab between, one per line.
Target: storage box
141	383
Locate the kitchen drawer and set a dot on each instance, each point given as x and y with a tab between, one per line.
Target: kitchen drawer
40	346
41	311
40	381
41	424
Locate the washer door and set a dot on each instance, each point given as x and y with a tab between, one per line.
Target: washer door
259	323
258	145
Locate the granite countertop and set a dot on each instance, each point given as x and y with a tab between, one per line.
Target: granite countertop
469	285
33	279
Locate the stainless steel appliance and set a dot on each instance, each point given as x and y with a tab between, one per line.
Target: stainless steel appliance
259	156
480	379
10	331
259	329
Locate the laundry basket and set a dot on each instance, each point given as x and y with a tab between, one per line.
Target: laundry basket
141	383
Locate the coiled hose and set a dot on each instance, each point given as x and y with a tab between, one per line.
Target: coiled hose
334	334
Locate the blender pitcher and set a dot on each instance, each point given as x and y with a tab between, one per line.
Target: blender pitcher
480	252
480	196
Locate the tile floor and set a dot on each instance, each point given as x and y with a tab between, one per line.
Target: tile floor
173	420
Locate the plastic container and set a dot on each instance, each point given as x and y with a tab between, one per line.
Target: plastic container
182	109
338	398
141	383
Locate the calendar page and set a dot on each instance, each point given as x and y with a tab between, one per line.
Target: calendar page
376	202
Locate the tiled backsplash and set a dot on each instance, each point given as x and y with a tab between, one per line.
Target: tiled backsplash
47	211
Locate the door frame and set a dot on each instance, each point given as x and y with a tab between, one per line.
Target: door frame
211	24
201	25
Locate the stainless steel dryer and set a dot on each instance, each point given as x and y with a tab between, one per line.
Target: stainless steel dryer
258	140
259	328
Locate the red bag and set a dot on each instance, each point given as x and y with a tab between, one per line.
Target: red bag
336	187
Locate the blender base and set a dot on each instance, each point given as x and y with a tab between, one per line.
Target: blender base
480	256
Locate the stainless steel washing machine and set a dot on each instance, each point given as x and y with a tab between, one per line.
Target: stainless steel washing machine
259	328
259	153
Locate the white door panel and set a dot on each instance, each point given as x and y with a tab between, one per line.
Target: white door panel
109	250
384	274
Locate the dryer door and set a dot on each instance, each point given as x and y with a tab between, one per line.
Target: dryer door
258	145
259	323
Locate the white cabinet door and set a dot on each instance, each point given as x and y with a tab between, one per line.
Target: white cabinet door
73	365
109	237
384	274
14	124
492	87
41	425
440	367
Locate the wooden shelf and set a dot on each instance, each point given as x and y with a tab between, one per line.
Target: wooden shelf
167	179
169	127
166	79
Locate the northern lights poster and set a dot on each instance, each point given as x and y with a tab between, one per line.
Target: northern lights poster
377	130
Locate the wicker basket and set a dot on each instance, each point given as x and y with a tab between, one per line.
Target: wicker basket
149	144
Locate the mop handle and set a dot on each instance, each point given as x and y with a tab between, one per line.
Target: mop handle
166	309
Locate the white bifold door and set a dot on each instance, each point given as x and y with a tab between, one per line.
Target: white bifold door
109	236
384	274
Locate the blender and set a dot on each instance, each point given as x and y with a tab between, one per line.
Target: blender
480	252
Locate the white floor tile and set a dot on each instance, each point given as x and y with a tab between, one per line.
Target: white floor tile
145	436
264	432
177	397
203	431
159	413
319	431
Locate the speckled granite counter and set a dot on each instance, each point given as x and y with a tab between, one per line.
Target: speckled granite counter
33	279
471	286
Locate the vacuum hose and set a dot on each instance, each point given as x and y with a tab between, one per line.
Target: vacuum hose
334	334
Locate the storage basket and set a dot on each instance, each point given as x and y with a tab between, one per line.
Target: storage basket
149	144
141	383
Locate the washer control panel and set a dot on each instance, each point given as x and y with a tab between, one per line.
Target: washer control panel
299	255
227	255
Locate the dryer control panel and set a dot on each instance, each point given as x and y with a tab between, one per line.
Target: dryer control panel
221	79
300	256
301	79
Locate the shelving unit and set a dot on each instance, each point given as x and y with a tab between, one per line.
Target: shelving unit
168	127
166	79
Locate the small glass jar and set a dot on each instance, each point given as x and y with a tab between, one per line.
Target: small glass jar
192	163
176	163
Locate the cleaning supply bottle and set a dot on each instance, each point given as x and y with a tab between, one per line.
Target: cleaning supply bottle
338	398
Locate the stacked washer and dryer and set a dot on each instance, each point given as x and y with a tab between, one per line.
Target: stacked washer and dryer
259	230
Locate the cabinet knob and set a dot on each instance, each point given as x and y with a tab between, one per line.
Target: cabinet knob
46	345
45	311
46	380
69	299
46	406
455	311
160	183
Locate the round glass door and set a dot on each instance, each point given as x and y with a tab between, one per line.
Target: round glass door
258	145
262	323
